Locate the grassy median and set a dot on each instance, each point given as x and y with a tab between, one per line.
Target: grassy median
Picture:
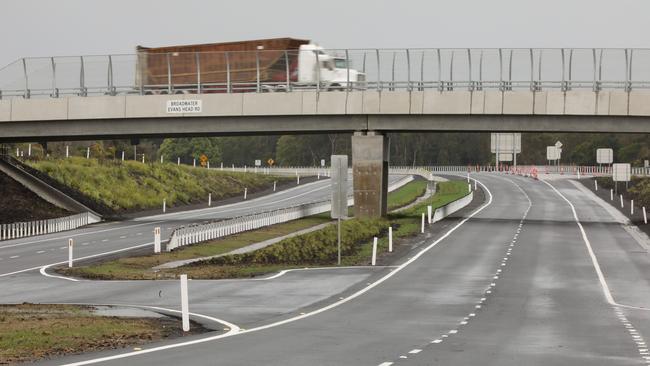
30	332
317	248
132	186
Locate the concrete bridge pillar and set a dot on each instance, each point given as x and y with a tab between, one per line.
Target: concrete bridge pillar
370	174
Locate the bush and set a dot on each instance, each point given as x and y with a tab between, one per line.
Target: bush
315	248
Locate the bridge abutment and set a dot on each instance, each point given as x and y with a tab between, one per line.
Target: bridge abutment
370	174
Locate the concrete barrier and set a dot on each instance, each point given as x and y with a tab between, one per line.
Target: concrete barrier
451	207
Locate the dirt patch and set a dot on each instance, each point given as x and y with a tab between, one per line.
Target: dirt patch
19	204
31	332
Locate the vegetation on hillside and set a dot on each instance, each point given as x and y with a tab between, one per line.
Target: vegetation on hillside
638	189
131	185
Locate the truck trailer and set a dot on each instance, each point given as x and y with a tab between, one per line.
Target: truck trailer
265	65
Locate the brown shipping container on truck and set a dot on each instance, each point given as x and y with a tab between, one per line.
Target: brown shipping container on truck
180	63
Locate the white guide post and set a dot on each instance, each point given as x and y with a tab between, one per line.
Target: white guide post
469	187
274	183
142	158
631	207
374	251
297	179
156	240
245	193
122	155
645	217
185	307
164	205
611	194
161	159
70	249
429	211
595	185
209	199
475	184
622	201
178	161
422	228
390	239
67	151
88	153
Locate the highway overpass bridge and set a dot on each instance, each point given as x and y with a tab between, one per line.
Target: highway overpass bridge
523	90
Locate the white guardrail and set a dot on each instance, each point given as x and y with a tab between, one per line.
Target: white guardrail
425	170
40	227
198	233
448	209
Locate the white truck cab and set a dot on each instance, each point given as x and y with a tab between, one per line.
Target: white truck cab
333	70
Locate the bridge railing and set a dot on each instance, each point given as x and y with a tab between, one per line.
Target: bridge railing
258	71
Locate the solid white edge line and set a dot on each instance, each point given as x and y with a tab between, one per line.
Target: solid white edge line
306	315
592	255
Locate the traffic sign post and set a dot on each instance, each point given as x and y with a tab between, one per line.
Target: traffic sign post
505	146
604	156
621	172
339	194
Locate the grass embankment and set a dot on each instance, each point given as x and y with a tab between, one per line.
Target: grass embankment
638	189
406	194
31	332
317	248
19	204
132	186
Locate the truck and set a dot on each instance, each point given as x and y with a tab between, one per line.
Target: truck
264	65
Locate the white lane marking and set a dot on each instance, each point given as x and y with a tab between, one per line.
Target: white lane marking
435	341
415	351
385	364
123	237
592	255
138	234
453	331
40	252
14	257
104	240
312	313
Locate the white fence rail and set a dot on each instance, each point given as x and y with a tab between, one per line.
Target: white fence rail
41	227
214	230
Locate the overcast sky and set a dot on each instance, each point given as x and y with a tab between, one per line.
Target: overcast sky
73	27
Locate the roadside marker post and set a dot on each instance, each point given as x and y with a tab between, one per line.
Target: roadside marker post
164	205
185	311
297	180
142	158
245	193
422	229
374	251
156	240
429	209
622	201
631	207
209	199
122	155
467	177
221	168
70	248
595	185
194	163
390	239
274	183
67	152
611	194
469	187
475	184
87	153
161	159
178	160
645	217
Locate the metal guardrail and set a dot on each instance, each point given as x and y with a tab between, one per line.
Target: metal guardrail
384	69
41	227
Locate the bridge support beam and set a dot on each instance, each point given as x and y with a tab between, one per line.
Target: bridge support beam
370	174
